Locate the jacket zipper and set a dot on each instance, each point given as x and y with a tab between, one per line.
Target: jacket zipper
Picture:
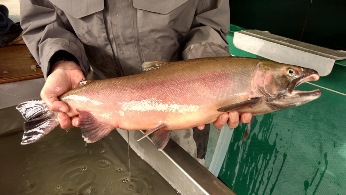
140	54
119	69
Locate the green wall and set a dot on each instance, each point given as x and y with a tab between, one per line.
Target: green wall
300	150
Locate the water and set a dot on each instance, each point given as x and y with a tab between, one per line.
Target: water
62	163
128	153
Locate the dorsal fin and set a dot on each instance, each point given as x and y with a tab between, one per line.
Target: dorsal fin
148	66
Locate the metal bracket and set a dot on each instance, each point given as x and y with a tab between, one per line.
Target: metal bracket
284	50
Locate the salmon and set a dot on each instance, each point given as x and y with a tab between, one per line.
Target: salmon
174	96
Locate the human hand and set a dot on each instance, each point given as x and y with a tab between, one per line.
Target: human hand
65	76
231	118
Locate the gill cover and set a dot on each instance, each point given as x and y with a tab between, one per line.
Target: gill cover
273	80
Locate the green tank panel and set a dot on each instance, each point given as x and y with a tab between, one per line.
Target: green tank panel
300	150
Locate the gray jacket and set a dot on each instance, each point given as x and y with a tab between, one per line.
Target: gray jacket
115	37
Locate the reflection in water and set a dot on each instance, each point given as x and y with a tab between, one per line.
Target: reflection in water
61	163
257	158
133	185
74	176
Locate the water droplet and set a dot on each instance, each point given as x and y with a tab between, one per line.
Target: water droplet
103	163
119	170
29	186
102	151
59	187
84	168
130	187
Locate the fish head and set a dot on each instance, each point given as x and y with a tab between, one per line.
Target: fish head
276	82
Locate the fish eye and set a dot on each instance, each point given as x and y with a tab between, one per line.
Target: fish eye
291	72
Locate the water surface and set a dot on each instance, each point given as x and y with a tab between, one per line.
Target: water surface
61	163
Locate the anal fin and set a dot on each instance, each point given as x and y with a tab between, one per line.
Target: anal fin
236	106
158	135
92	130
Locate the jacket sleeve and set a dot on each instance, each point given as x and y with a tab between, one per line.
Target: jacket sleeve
45	34
207	38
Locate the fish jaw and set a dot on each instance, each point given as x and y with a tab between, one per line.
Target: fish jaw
296	98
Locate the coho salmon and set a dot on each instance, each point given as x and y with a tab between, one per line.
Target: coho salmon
173	96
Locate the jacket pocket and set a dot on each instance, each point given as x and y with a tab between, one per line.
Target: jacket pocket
158	6
79	8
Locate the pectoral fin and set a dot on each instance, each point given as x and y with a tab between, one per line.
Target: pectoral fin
148	66
92	130
240	105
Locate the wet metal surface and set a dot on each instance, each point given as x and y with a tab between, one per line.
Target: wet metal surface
286	50
11	94
182	171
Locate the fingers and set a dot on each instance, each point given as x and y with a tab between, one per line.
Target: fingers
233	121
200	127
52	101
221	121
75	121
64	120
246	117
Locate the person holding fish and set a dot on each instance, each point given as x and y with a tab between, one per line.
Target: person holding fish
114	37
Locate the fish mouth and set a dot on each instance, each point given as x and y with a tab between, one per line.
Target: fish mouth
294	97
305	95
308	75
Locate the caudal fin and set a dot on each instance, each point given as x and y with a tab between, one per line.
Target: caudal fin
39	120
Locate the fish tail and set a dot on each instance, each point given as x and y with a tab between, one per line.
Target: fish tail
39	120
